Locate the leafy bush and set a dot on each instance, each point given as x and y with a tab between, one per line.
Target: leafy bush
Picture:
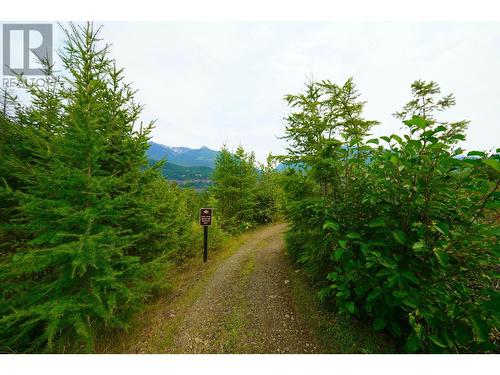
398	229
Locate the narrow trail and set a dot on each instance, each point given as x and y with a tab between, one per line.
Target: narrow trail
246	305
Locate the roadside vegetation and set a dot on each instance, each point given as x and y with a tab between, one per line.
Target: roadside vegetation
400	230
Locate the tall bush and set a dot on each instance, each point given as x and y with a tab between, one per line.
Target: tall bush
399	229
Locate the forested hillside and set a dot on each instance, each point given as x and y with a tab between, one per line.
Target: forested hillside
195	177
185	166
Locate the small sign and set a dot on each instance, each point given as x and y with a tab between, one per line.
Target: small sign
205	216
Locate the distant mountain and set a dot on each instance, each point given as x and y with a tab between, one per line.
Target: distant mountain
183	156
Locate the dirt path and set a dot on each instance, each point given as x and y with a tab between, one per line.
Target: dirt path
246	305
246	299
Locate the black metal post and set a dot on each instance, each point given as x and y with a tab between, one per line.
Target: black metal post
205	243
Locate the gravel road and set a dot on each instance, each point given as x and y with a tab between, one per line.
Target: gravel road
246	305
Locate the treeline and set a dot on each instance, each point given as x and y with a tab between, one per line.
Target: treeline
402	229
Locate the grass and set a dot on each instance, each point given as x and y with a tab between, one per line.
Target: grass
337	333
233	326
236	320
248	267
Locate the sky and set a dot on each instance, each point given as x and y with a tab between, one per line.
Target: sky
215	83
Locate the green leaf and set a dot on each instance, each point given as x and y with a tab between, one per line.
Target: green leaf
378	222
397	138
350	307
494	205
415	143
418	246
373	295
399	293
399	236
476	153
339	252
343	244
353	236
410	303
332	276
379	324
440	128
410	276
492	163
374	140
480	328
416	121
441	256
331	225
442	228
385	138
412	343
437	341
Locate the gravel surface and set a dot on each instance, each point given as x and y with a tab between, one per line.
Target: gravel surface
246	305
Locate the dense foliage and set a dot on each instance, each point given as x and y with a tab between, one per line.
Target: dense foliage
87	228
400	229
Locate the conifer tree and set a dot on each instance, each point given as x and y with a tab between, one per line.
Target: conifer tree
235	179
268	193
86	251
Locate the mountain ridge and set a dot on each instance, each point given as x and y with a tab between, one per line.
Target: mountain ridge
183	156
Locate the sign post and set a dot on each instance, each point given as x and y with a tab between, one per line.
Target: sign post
206	221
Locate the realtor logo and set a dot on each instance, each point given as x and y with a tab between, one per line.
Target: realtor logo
24	45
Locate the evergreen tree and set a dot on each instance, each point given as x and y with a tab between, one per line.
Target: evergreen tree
235	179
86	251
268	193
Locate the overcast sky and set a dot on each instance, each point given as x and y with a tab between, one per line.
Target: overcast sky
214	83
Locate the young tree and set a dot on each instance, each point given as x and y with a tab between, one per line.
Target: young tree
425	104
235	179
326	131
87	252
268	193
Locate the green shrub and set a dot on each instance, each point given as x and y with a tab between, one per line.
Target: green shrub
404	233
